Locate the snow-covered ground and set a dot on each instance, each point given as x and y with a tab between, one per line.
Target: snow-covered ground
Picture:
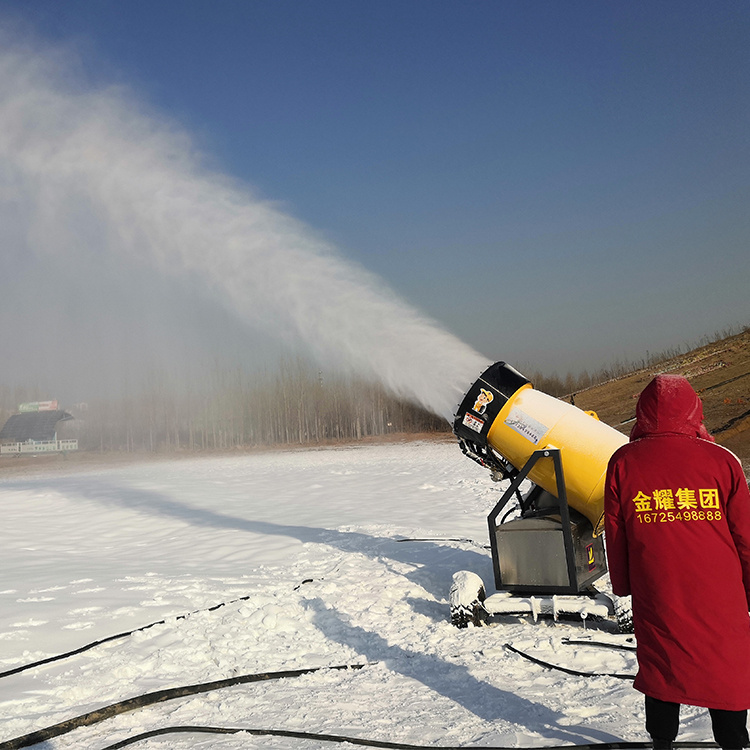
304	547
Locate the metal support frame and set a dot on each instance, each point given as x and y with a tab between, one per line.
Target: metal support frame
562	497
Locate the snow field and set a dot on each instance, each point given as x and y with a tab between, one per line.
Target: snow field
303	547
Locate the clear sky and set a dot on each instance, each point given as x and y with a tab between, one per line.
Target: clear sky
558	183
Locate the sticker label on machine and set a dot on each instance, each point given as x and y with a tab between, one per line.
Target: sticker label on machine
473	423
525	425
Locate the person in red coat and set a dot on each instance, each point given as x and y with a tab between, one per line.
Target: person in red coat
677	531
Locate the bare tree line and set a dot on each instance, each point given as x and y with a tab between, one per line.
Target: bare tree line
298	404
295	404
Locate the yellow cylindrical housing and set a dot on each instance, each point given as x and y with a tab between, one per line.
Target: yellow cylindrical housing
504	412
532	420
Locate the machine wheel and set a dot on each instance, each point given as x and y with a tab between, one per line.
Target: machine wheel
624	614
466	597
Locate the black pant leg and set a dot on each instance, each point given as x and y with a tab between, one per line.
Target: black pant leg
662	721
730	728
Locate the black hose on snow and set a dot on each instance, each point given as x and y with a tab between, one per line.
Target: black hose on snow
276	733
160	696
600	644
149	699
381	743
576	673
118	636
88	646
442	539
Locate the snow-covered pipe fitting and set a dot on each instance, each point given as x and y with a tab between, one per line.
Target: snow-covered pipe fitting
503	412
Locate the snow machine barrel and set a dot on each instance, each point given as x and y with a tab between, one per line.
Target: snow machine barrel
520	433
503	420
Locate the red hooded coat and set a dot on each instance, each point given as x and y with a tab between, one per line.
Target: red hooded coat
677	520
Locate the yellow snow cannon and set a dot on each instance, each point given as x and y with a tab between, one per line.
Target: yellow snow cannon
555	457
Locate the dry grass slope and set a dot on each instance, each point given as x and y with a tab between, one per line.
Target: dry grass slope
719	372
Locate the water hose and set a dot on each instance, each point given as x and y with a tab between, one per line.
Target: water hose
88	646
149	699
576	673
160	696
382	743
118	636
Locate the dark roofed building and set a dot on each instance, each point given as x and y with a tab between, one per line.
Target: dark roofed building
33	427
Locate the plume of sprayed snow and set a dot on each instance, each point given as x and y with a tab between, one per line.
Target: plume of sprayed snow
91	181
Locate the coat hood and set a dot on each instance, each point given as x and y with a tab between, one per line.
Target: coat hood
669	404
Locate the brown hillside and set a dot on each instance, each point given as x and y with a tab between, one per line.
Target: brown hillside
719	372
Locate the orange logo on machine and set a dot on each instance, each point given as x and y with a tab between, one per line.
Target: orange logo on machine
590	556
480	405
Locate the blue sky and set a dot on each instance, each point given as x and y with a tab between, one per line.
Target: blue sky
560	184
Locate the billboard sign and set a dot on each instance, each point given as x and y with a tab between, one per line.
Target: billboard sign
38	406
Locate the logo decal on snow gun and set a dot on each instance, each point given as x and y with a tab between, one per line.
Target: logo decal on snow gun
473	423
590	556
480	405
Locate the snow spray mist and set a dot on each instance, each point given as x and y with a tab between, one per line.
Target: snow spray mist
91	181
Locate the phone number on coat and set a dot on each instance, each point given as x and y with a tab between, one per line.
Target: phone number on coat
688	515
